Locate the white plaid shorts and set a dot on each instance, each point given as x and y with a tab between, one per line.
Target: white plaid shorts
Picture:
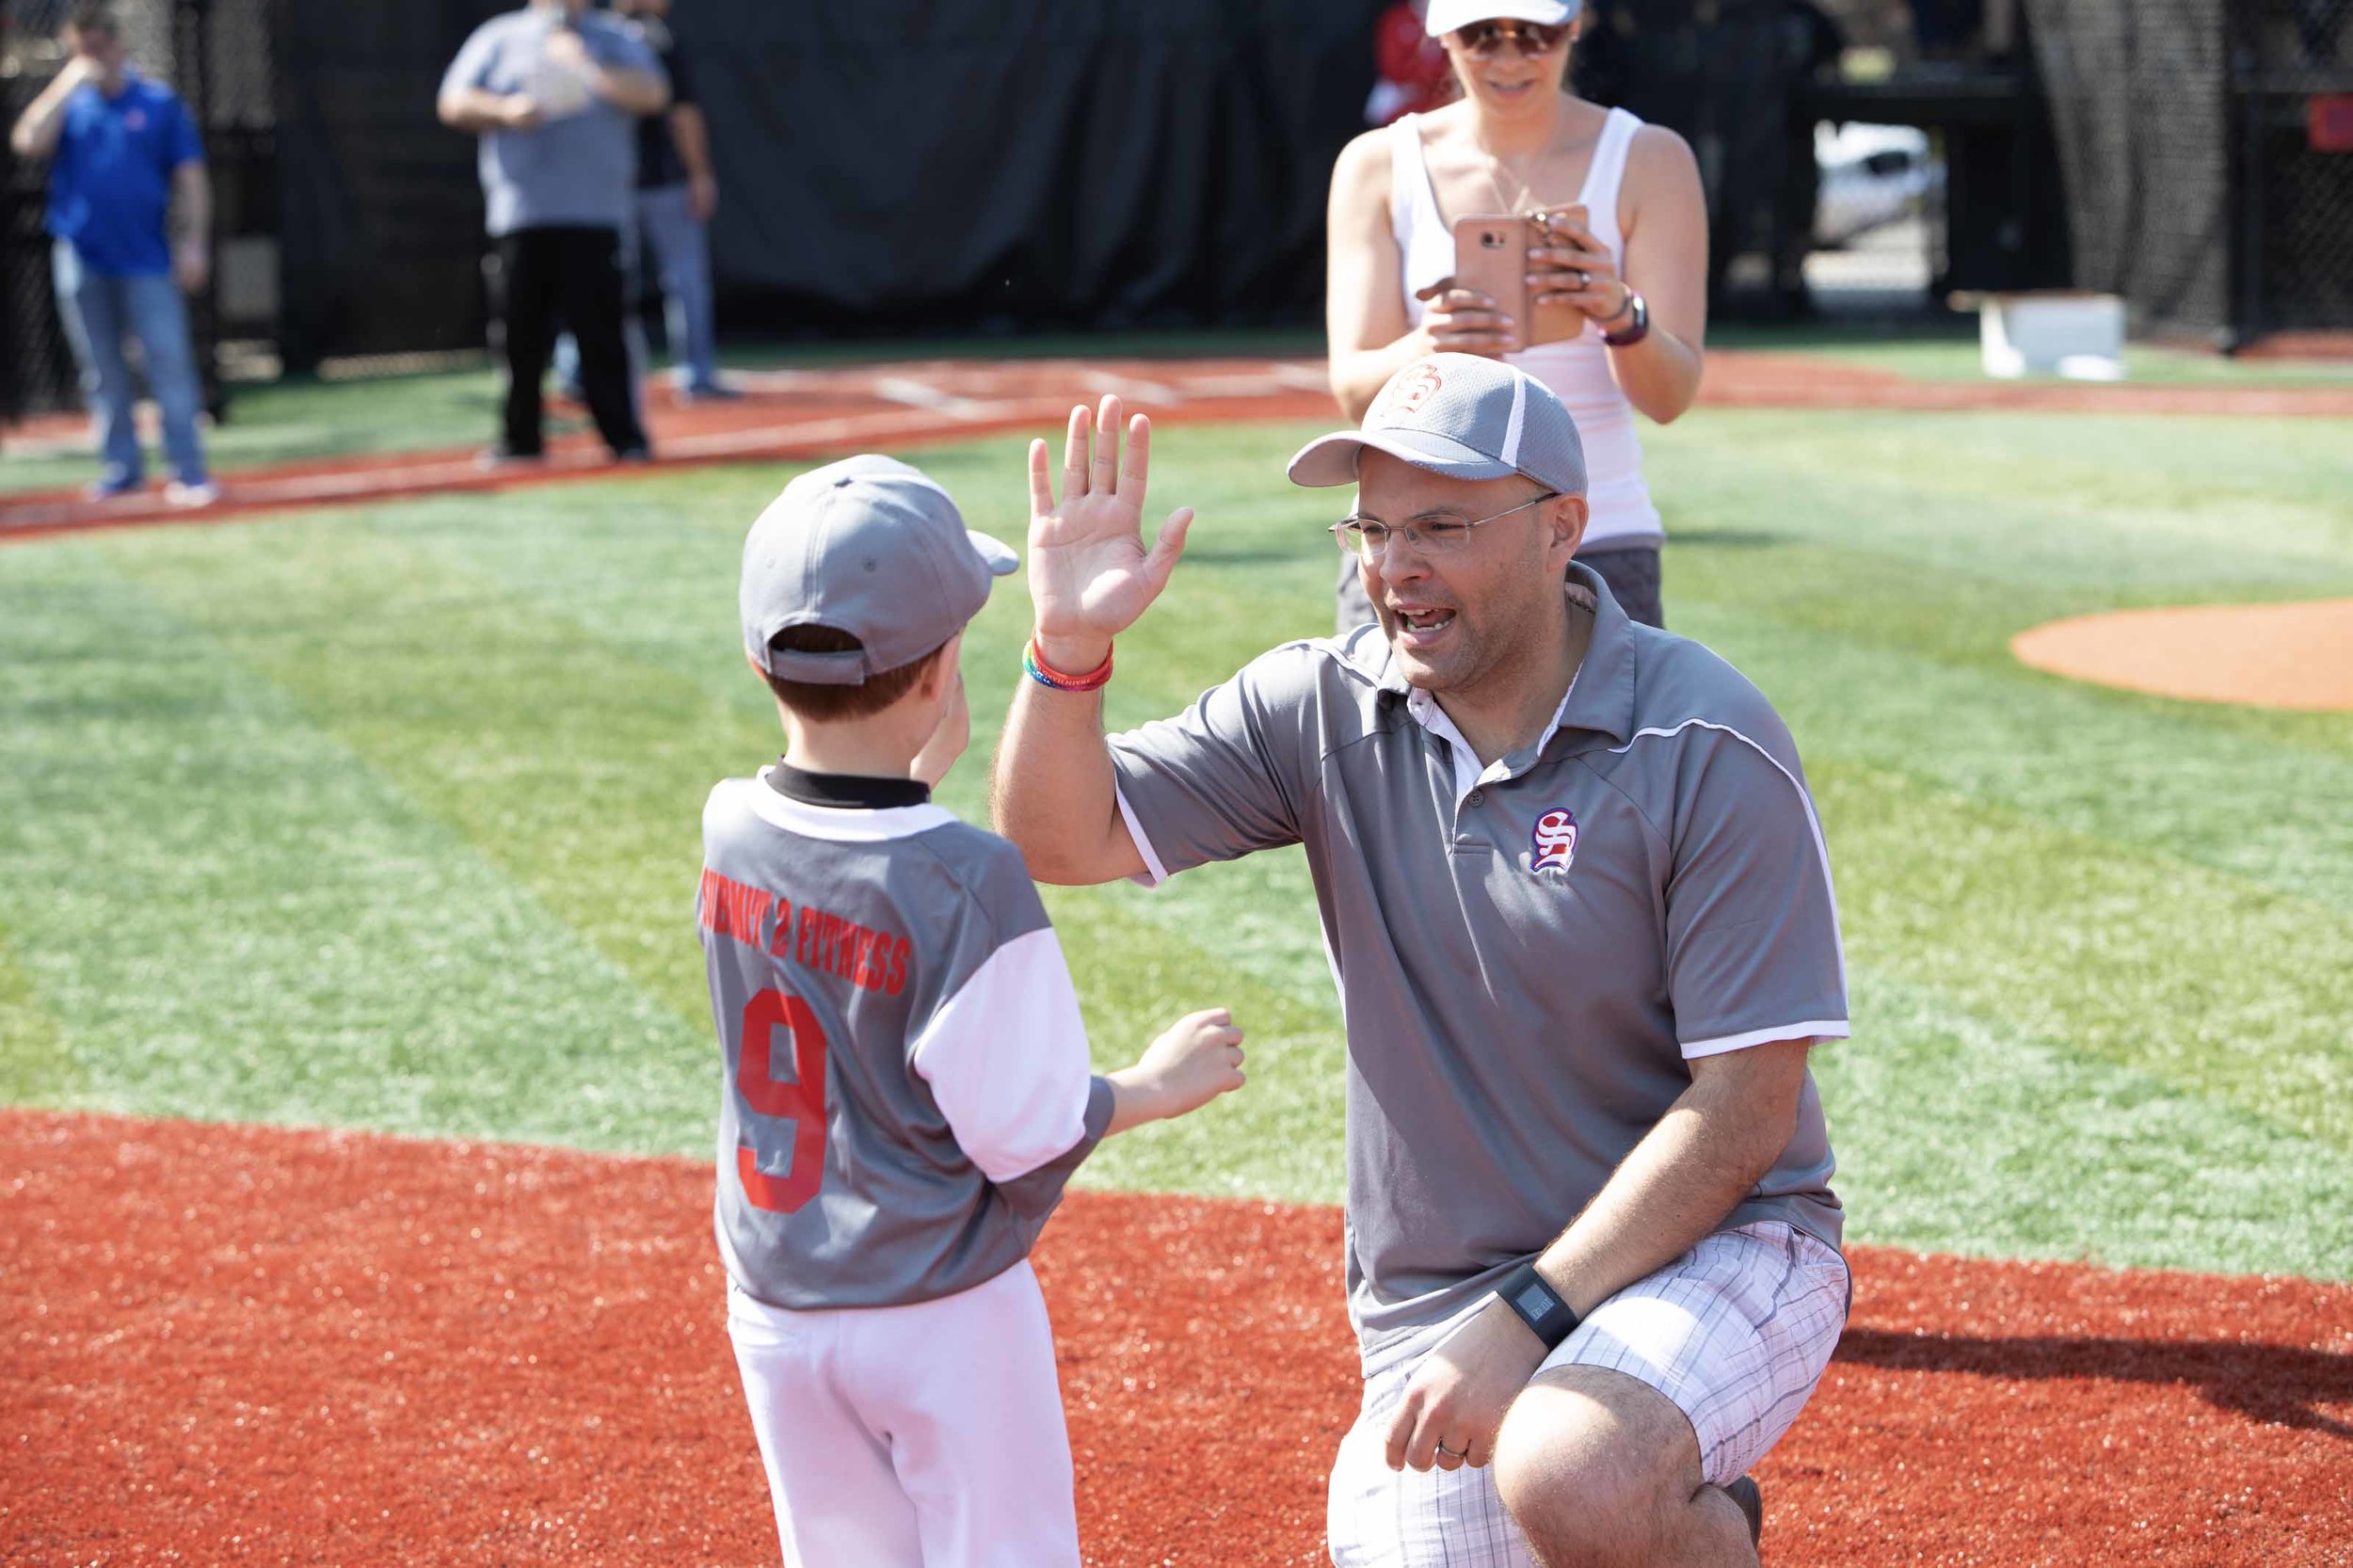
1736	1331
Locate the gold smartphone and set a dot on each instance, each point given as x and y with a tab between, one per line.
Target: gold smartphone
1491	255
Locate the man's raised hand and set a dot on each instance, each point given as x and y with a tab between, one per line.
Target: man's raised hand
1090	575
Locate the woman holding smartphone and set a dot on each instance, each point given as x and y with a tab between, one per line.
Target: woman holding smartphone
1616	264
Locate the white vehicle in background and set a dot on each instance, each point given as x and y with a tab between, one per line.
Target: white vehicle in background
1871	176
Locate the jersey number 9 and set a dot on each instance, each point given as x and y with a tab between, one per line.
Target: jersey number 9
801	1101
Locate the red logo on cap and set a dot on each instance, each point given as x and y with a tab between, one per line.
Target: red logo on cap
1410	391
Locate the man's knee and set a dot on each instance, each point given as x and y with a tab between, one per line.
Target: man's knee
1594	1464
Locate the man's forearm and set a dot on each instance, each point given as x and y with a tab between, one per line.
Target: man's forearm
1051	791
473	110
630	92
693	136
192	203
36	130
1692	1169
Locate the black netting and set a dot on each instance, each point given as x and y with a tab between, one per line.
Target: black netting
2297	266
2195	188
2137	91
216	54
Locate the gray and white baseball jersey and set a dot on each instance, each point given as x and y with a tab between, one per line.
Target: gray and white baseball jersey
906	1074
1528	954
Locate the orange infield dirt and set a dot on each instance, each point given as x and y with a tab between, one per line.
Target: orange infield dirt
244	1345
792	414
2298	656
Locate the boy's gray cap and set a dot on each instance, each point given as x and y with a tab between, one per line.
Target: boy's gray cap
1463	416
1447	16
866	546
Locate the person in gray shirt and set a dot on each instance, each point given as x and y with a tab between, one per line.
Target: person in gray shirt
1580	913
554	91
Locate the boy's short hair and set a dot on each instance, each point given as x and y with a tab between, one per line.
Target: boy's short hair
89	17
829	704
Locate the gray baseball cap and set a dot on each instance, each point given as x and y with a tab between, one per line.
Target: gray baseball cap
866	546
1460	415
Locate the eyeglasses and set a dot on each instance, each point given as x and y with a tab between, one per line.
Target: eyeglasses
1485	40
1372	538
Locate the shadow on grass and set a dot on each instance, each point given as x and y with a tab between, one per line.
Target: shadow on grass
2264	1383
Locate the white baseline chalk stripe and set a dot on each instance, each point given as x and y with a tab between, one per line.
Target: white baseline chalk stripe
922	394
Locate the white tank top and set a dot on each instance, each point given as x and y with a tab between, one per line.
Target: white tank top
1576	369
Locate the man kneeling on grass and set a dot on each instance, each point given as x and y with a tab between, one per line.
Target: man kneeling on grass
1581	916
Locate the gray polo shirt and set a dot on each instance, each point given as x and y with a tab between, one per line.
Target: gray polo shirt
579	168
1529	953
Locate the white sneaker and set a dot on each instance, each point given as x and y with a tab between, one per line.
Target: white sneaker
191	496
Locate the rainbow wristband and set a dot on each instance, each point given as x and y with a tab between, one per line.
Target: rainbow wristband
1047	675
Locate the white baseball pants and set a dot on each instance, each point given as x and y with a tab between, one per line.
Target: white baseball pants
920	1437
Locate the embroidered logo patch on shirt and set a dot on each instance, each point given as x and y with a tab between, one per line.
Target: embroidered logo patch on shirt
1554	842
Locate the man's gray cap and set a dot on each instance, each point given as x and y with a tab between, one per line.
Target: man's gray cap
866	546
1460	415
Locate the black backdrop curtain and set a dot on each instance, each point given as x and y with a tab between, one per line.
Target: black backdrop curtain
1001	163
885	166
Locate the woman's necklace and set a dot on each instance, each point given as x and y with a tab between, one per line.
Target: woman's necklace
1497	161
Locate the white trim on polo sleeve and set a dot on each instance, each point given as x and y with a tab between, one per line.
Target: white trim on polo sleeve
1154	872
1813	1030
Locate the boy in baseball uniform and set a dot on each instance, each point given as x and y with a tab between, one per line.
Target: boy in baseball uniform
906	1074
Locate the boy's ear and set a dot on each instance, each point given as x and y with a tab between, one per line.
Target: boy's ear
939	673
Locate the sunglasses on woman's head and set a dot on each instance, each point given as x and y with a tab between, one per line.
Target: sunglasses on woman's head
1484	39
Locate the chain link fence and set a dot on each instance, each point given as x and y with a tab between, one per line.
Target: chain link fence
37	374
216	54
2291	75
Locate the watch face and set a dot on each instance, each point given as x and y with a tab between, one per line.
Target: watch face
1536	1301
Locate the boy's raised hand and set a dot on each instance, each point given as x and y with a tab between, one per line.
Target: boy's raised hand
1090	574
1195	1060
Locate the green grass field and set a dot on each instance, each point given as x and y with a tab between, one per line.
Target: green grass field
300	420
388	817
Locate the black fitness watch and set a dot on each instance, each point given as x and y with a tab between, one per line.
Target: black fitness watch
1635	331
1538	1304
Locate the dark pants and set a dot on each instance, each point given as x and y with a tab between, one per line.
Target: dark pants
1630	571
574	274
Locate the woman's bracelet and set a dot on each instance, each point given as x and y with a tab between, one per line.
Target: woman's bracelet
1033	662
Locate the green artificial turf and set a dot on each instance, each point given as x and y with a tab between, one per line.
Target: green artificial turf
387	817
302	419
